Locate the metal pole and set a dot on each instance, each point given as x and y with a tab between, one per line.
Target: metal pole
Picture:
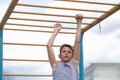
1	53
81	62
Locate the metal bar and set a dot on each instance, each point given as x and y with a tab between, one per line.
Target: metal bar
1	53
81	62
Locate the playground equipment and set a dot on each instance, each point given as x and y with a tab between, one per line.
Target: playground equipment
18	10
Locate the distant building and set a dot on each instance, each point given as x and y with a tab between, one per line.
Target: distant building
103	71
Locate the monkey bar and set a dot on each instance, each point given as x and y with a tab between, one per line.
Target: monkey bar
22	16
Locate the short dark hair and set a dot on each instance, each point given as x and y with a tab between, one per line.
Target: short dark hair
66	45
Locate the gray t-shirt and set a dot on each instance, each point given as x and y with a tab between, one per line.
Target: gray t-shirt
65	71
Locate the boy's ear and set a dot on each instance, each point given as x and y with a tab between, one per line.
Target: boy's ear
59	56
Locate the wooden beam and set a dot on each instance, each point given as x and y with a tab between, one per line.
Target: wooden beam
63	8
28	60
37	31
90	2
47	14
28	19
30	75
29	25
27	44
102	17
8	12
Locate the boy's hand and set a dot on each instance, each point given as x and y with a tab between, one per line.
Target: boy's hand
79	17
57	27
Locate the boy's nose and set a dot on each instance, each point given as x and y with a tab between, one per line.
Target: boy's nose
66	53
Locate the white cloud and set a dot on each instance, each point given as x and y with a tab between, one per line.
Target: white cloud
3	7
101	48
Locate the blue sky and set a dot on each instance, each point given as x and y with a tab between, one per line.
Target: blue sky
99	47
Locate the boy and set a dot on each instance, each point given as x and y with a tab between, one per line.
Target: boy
66	69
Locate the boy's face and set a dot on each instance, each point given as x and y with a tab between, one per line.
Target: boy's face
66	54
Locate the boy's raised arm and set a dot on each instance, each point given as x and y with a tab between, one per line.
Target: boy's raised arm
51	56
76	52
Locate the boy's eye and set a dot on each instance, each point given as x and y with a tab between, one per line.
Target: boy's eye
63	51
69	52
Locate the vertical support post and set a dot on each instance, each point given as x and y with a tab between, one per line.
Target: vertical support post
81	62
1	53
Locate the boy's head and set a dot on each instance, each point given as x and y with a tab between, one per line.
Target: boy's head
66	45
66	53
